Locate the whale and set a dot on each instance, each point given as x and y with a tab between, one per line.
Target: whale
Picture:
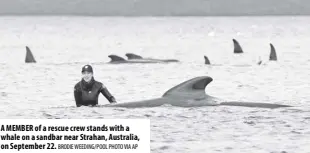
132	56
207	61
191	93
273	54
29	56
120	60
237	47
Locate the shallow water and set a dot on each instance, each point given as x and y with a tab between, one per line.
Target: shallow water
62	45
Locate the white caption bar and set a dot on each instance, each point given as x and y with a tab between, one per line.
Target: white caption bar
75	135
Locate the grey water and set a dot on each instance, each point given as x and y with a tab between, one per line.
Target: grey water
62	45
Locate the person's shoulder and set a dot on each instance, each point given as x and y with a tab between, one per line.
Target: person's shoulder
77	85
99	84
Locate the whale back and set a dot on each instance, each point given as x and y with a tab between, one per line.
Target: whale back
133	56
273	54
115	58
196	85
237	47
207	61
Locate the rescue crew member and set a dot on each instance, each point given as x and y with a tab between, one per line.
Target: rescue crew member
87	90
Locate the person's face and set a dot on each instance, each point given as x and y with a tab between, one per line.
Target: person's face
87	76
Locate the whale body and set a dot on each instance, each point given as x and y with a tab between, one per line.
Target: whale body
191	93
132	56
119	60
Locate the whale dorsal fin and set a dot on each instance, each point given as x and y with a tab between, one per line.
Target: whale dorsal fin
273	54
197	84
133	56
115	58
29	56
207	61
237	47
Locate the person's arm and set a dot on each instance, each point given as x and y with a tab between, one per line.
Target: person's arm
107	94
77	96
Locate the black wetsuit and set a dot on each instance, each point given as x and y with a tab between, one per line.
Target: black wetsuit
86	94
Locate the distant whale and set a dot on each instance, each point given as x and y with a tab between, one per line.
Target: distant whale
237	47
132	56
29	56
273	54
207	61
119	60
190	93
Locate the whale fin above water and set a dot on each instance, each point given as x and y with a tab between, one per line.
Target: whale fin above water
115	58
133	56
237	47
195	85
207	61
273	54
29	56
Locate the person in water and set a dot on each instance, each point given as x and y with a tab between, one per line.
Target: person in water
87	90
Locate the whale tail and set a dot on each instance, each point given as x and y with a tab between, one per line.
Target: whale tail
273	54
29	56
133	56
197	85
115	58
207	61
237	47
